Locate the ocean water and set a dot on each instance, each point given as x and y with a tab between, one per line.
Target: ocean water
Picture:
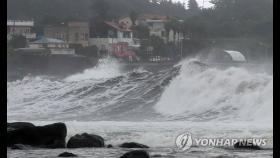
149	107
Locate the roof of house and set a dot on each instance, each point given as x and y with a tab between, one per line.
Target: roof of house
45	40
117	26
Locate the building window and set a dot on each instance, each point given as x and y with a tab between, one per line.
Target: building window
86	36
126	35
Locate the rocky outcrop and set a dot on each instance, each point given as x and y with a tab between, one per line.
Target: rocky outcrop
110	146
18	125
49	136
136	154
133	145
67	154
246	145
85	140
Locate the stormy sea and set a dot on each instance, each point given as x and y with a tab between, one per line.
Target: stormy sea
149	105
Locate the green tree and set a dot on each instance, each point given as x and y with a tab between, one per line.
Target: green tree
158	44
141	32
193	7
133	16
174	25
167	27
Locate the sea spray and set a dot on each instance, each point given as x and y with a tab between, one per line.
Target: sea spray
200	93
107	67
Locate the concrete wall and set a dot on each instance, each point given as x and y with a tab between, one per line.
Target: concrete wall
49	45
104	43
62	51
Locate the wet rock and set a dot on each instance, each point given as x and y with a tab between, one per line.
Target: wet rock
136	154
67	154
18	125
157	155
110	146
85	140
133	145
246	145
49	136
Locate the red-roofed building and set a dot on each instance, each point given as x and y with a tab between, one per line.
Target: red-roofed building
113	33
115	38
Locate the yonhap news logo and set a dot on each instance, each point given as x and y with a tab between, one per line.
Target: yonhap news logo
185	141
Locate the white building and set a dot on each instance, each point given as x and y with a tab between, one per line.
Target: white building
115	33
20	27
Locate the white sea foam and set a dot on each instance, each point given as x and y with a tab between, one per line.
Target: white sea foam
106	68
230	94
198	93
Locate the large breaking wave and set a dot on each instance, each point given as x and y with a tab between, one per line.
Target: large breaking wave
189	91
205	93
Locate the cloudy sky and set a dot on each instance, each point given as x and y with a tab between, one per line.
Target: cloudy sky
200	2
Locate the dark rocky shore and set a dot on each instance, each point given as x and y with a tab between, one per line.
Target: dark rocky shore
25	135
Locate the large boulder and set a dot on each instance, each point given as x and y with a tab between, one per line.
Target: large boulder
85	140
18	125
110	146
136	154
49	136
246	145
67	154
133	145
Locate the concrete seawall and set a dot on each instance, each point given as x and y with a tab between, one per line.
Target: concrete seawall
19	66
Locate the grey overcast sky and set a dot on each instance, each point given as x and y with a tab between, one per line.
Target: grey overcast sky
207	4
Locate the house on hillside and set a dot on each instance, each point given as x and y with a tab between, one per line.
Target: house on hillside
116	39
20	27
74	33
113	32
156	24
